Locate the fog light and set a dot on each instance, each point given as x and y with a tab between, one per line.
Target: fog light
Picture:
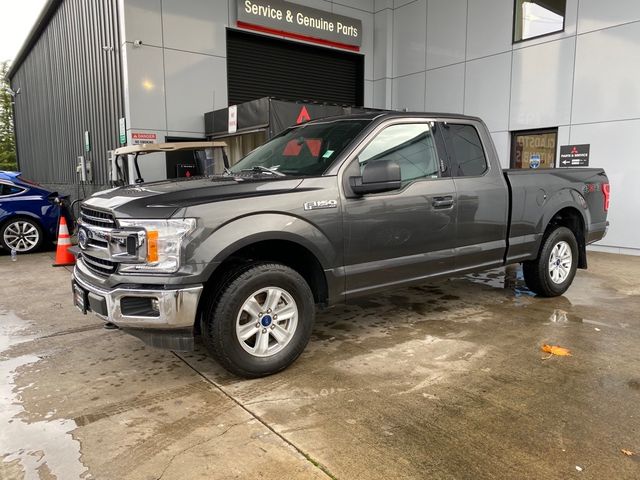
155	305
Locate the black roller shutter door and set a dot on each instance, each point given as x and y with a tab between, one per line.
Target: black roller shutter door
261	66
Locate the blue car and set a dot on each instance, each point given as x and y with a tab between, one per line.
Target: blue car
28	213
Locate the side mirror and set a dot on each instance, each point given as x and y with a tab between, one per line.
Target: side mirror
378	176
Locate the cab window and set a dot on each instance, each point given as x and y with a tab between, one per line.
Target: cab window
464	149
410	145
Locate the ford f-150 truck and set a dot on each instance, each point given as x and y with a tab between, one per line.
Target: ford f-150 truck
325	212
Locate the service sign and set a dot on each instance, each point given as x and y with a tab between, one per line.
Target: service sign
300	22
574	155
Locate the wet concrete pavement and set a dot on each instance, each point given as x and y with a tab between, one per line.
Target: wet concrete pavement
441	381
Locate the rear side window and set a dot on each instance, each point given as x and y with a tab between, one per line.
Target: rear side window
9	189
464	149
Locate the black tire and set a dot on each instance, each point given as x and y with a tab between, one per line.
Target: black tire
222	309
22	221
538	274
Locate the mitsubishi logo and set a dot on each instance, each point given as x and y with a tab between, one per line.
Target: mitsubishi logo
574	151
303	116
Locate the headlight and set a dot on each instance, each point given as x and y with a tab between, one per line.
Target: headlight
164	239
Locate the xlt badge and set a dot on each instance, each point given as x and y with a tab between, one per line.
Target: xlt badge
318	204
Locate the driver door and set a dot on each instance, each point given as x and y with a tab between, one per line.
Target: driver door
406	235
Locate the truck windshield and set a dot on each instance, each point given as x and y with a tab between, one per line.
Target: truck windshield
303	151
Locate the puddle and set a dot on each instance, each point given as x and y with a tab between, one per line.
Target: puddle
42	446
508	278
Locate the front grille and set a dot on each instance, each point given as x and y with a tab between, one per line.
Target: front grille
99	265
97	218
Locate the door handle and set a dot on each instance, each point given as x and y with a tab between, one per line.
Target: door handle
442	202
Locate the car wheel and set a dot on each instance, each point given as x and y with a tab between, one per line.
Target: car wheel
260	321
551	274
22	234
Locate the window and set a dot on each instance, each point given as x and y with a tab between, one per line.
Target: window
535	18
466	155
534	148
307	150
410	145
9	189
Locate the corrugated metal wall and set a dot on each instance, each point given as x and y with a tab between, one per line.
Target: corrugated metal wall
68	84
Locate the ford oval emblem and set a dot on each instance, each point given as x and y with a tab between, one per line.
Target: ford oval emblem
83	238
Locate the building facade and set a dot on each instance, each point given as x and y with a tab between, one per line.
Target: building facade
542	74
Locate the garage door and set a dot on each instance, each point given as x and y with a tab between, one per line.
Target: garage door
260	66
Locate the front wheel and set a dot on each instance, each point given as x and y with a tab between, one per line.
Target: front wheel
260	321
551	274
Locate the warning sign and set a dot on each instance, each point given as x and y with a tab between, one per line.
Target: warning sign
138	138
574	155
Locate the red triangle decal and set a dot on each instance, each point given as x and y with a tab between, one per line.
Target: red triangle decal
303	116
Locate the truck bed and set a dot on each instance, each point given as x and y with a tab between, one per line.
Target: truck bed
536	196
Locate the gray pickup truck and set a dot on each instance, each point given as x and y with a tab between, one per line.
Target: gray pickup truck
324	213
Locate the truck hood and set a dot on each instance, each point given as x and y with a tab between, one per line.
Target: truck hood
163	199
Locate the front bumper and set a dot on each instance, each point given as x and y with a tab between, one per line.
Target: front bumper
174	309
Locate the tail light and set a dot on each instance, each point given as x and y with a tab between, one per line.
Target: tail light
606	191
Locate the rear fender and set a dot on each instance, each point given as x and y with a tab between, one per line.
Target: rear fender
565	198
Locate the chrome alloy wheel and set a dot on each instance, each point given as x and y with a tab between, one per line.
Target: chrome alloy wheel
560	262
267	321
21	235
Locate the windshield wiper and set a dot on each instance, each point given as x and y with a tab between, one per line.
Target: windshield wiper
261	169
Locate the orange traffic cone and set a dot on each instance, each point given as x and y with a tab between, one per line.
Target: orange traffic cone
64	257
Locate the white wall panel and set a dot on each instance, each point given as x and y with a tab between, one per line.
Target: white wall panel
541	84
382	4
612	148
367	35
195	25
596	14
606	75
489	27
445	89
366	5
193	82
487	90
368	93
446	32
408	92
144	87
409	38
502	142
142	21
383	44
382	93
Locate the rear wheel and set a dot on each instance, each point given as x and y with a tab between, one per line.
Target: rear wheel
553	271
22	235
261	320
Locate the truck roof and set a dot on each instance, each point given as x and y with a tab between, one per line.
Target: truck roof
381	114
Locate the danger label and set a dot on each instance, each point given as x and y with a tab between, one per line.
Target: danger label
139	138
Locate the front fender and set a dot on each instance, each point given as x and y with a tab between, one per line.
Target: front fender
219	244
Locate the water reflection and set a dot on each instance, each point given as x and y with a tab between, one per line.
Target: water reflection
37	446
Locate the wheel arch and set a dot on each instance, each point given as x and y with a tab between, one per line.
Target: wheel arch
571	217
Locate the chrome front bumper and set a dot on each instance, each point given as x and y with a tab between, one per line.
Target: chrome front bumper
176	308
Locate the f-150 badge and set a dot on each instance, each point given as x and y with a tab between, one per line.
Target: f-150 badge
318	204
